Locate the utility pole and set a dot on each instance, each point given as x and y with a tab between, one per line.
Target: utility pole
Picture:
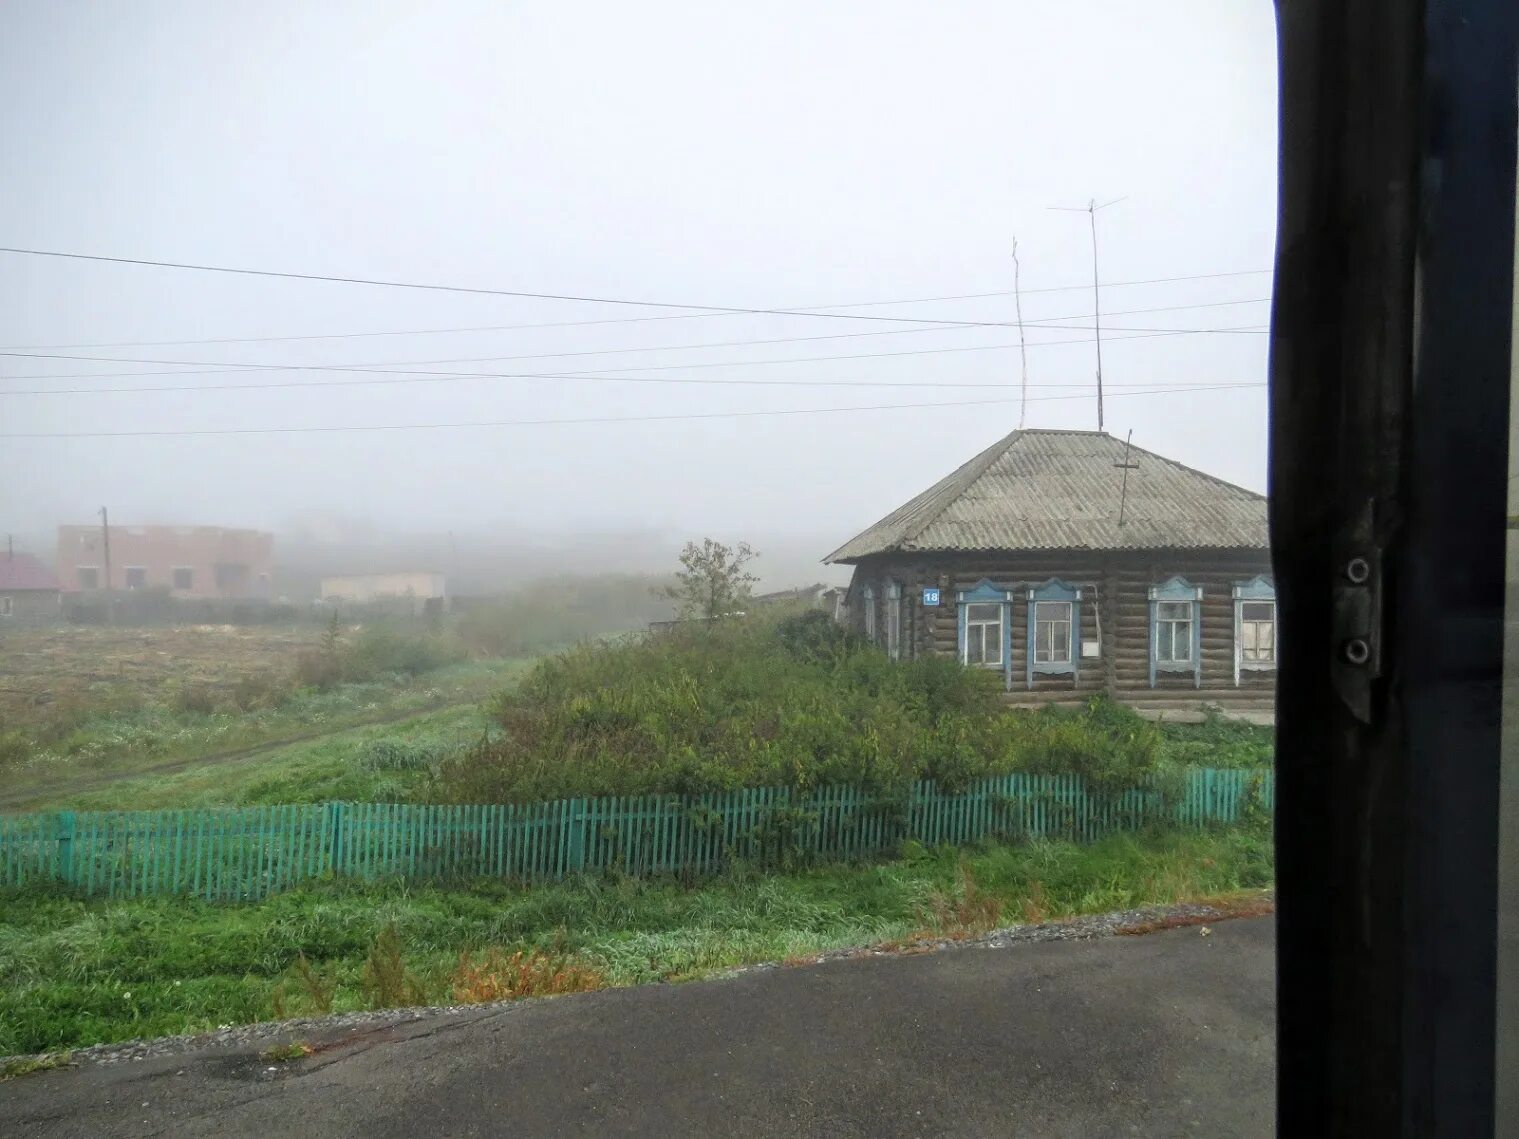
1090	209
105	538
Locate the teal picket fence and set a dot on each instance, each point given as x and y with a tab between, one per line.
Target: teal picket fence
241	853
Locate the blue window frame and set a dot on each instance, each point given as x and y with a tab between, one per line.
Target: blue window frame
1176	629
1054	630
1254	626
984	616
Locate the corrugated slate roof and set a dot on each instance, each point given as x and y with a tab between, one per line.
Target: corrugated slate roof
23	571
1059	490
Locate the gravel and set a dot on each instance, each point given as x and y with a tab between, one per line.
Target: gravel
272	1032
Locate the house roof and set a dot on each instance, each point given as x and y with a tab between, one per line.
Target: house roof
1060	490
23	571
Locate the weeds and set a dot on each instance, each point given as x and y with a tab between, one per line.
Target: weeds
303	983
498	977
965	910
387	982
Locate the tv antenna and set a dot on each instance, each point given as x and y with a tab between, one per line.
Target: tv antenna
1022	347
1090	209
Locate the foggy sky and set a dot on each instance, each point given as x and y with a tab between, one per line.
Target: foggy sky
782	155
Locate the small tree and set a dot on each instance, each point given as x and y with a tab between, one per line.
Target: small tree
712	581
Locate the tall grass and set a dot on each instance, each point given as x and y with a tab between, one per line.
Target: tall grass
76	972
796	702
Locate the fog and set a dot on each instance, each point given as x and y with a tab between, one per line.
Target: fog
779	156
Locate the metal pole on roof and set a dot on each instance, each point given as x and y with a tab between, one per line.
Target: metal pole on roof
1090	209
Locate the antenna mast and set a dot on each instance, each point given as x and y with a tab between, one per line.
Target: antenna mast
1022	347
1090	209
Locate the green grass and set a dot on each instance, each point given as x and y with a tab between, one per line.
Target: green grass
1218	742
303	772
340	765
77	972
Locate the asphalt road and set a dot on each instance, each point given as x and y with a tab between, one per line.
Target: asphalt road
1163	1035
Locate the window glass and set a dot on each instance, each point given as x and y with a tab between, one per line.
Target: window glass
1257	631
1052	632
1173	632
983	633
894	620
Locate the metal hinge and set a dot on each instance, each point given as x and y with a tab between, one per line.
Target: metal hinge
1357	621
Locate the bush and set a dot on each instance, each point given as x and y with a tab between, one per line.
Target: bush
796	702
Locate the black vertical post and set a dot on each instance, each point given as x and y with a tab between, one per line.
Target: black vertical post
1390	380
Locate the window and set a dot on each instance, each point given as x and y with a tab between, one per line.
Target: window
184	577
983	634
7	606
1173	632
137	577
1054	626
894	620
89	577
868	599
1175	629
1257	632
1052	632
1254	626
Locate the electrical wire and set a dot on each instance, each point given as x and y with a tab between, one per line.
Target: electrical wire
721	310
314	429
403	368
1044	321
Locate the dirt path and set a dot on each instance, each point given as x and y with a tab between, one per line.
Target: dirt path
12	800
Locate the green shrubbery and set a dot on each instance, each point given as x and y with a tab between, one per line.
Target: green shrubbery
796	702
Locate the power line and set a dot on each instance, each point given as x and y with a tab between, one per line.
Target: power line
723	310
402	367
549	422
1044	321
588	377
691	316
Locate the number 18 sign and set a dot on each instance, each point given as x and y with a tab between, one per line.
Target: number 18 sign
930	597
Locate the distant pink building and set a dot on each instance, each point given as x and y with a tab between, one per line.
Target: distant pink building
189	561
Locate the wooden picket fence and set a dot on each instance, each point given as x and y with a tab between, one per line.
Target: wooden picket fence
242	853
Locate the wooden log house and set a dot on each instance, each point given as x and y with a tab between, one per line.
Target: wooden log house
1071	564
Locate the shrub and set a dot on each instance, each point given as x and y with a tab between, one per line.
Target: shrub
793	702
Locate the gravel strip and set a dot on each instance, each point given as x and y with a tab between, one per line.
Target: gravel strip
269	1032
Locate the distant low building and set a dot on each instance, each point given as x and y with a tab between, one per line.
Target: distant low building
28	591
190	562
416	592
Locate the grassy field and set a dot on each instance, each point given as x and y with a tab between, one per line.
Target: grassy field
116	758
390	762
77	972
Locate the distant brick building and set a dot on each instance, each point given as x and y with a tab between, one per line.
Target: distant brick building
188	561
28	590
